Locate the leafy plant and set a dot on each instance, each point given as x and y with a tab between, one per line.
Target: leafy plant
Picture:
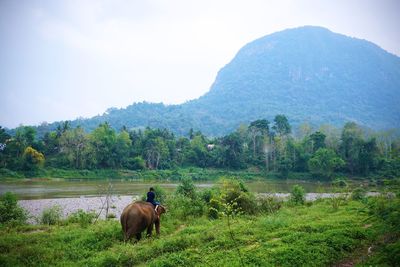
358	194
297	195
82	218
269	204
10	211
186	188
51	216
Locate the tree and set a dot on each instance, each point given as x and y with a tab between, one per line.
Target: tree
325	162
232	151
32	159
368	156
155	150
103	140
282	126
351	144
73	145
4	138
317	140
258	128
122	148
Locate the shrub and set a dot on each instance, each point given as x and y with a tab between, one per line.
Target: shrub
358	194
136	163
81	217
181	207
340	183
111	216
10	211
51	215
235	196
187	188
207	194
297	196
269	204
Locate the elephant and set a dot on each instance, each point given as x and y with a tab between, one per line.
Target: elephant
138	216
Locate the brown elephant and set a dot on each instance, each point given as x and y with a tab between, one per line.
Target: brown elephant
138	216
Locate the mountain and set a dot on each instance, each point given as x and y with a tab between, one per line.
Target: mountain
308	73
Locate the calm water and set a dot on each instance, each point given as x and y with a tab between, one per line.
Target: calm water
59	188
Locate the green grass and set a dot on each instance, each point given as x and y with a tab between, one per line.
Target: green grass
294	236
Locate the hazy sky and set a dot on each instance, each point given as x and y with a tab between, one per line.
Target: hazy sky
64	59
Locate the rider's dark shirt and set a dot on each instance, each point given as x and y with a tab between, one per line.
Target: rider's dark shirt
150	197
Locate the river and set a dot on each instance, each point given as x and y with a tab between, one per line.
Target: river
67	188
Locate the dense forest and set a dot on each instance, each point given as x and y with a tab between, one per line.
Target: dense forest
263	145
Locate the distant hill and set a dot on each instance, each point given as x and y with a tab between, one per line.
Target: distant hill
308	73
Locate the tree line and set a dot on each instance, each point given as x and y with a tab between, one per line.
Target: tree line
271	146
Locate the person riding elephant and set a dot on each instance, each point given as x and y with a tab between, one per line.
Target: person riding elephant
151	195
138	216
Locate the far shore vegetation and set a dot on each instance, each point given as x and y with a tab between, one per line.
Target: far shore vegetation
260	149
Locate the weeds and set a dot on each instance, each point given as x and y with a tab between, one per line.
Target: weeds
10	211
51	216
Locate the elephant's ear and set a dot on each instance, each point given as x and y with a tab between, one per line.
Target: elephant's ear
164	209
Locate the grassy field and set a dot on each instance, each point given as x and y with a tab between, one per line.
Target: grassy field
307	235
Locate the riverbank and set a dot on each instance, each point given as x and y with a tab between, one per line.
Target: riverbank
68	206
117	203
305	235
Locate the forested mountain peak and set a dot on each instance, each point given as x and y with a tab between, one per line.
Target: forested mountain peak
310	74
307	73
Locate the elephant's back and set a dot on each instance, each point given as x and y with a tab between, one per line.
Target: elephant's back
137	216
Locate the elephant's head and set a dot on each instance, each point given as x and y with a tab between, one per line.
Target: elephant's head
160	209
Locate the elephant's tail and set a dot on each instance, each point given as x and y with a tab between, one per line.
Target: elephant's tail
124	224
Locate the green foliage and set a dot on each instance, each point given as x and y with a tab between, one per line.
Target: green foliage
81	217
269	204
51	216
281	126
181	207
358	193
33	160
136	163
324	163
252	147
298	195
10	211
293	236
187	188
161	194
235	197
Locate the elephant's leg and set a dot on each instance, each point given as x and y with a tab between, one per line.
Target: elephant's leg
150	229
157	223
128	234
138	236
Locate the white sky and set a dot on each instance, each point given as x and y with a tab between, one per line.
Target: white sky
63	59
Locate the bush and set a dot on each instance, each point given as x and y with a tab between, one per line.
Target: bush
181	207
235	196
269	204
187	188
136	163
297	196
10	211
51	215
111	216
81	217
358	194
